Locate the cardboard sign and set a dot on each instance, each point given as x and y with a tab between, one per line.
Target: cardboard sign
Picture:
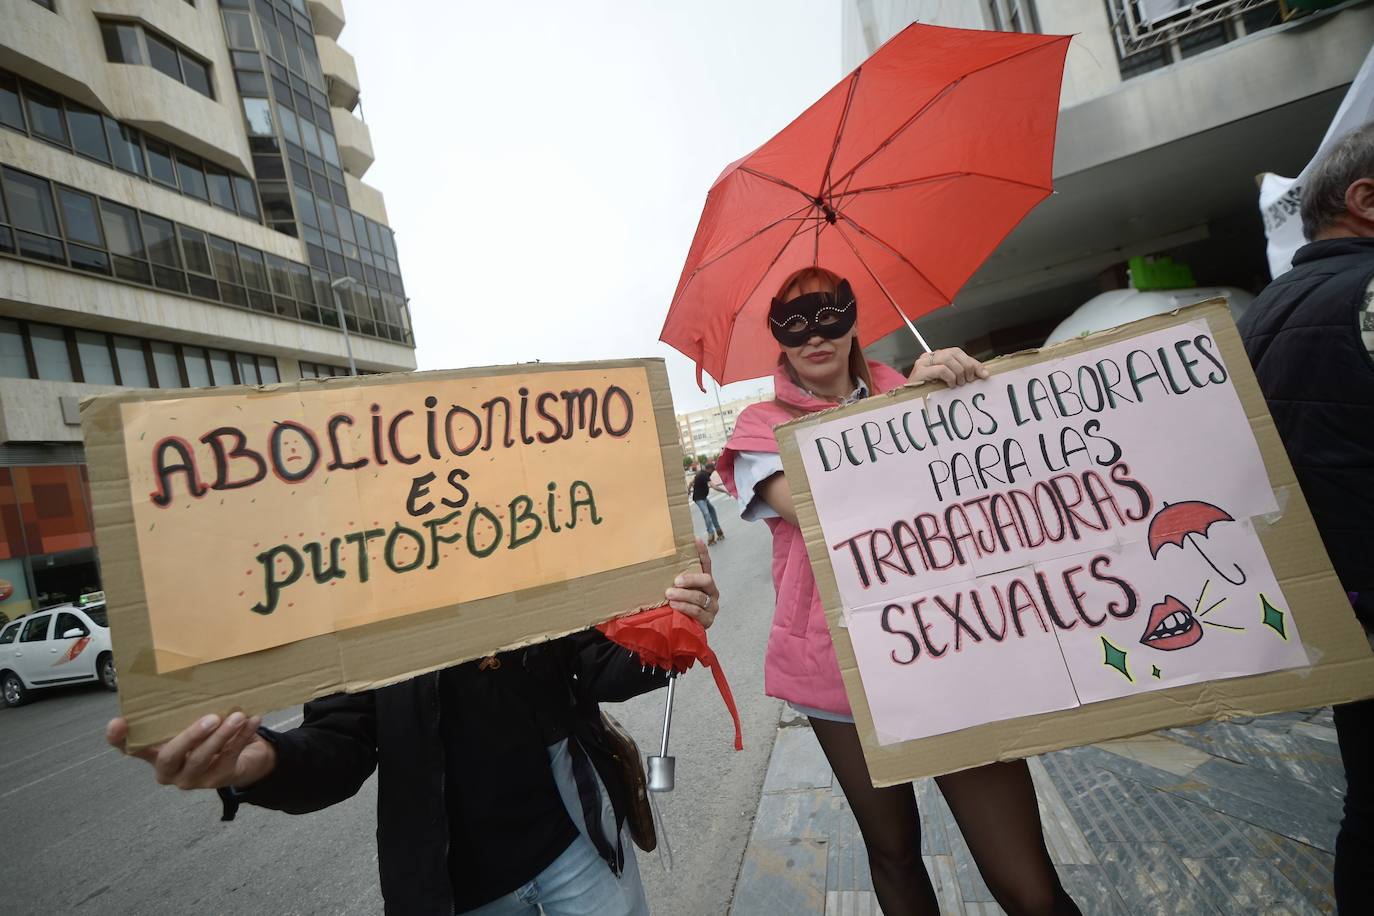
264	546
1104	538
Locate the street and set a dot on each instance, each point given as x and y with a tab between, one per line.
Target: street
88	831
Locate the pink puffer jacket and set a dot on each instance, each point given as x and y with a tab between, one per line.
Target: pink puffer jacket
800	665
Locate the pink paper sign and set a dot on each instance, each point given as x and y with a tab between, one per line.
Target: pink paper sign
1082	529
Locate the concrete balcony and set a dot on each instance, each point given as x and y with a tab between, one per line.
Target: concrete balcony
328	17
355	142
59	50
366	199
340	72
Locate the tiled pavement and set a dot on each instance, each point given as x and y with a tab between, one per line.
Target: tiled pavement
1235	817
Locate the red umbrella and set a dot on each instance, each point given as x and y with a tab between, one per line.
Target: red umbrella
1178	523
666	639
902	178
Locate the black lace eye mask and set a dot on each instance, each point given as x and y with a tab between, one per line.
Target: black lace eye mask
829	315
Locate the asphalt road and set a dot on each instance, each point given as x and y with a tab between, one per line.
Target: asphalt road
83	830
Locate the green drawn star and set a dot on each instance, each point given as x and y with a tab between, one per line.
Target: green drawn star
1273	617
1154	671
1115	658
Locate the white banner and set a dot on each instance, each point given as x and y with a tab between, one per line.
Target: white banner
1280	198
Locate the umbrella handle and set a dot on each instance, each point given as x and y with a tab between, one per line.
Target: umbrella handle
667	717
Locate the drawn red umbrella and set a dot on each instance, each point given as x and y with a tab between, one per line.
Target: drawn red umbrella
666	639
903	178
1182	523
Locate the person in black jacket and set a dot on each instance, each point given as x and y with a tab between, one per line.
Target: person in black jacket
1310	335
497	792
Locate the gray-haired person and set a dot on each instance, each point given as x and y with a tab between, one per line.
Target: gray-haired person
1310	335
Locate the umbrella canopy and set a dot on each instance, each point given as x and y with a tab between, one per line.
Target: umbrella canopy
1177	522
902	178
665	639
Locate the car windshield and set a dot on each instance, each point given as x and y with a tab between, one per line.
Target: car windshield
97	614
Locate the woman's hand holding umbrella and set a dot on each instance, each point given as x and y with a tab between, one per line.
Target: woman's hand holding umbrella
952	366
695	593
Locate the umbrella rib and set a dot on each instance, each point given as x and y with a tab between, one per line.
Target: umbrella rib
911	182
778	181
924	108
839	133
903	258
746	240
734	319
883	289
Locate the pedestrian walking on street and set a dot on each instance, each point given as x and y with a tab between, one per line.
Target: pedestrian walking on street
701	486
498	792
814	319
1310	336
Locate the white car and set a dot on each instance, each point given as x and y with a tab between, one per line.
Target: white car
53	647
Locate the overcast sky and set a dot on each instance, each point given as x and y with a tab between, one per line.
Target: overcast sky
545	163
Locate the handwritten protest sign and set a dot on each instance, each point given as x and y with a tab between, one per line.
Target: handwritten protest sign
376	527
1086	533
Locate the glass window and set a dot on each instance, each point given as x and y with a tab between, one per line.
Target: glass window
244	194
13	362
305	206
194	248
36	630
121	43
50	352
248	373
221	370
280	274
45	114
80	217
310	138
160	166
30	203
160	238
192	178
66	623
10	632
121	228
197	75
162	56
225	259
165	365
11	112
133	368
197	372
88	133
331	149
288	125
239	28
267	366
221	190
259	115
96	366
124	145
250	82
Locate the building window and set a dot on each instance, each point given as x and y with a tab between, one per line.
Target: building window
132	362
166	365
1149	34
14	359
45	115
130	43
1012	15
31	211
48	5
11	111
97	366
50	353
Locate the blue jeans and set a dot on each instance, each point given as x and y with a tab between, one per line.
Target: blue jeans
708	513
579	882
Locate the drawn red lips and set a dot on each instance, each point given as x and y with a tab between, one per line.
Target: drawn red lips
1172	626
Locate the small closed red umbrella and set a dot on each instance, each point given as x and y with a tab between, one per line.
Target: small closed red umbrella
666	639
902	178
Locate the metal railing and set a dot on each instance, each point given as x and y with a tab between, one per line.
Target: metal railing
1140	25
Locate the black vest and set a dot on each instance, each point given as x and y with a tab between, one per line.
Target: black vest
1302	335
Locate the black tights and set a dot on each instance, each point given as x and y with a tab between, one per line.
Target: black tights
996	811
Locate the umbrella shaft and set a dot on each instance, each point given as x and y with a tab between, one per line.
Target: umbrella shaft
667	717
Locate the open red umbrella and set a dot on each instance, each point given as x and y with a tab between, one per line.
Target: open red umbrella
902	178
666	639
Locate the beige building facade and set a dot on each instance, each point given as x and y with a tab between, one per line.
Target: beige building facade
182	204
703	432
1168	112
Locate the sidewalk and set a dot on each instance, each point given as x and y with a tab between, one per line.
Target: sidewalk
1218	818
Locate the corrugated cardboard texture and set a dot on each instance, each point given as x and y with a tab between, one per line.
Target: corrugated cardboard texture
160	705
1342	666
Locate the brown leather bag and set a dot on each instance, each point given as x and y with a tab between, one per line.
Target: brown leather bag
640	815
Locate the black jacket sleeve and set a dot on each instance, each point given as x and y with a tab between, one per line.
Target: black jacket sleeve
611	673
323	761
